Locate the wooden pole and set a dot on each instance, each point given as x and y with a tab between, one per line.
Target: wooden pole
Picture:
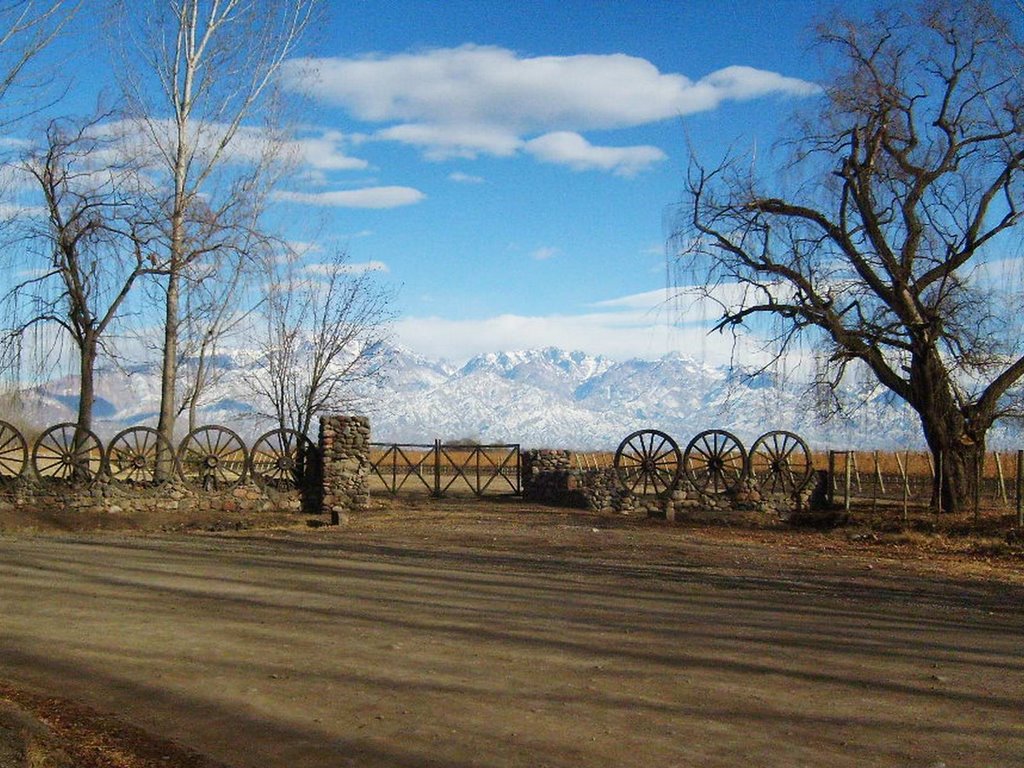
1002	478
977	488
1020	488
906	482
846	482
856	473
832	478
437	467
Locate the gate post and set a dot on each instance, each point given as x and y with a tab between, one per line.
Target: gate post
437	468
345	452
831	479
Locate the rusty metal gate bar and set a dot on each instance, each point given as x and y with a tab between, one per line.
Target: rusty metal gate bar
394	474
474	465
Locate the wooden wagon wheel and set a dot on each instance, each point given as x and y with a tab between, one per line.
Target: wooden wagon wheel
135	456
780	462
57	454
283	458
13	452
212	458
648	462
715	461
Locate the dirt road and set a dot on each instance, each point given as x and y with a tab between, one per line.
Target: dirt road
487	640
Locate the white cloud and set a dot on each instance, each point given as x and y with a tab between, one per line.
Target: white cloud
569	148
369	197
326	152
465	178
646	325
740	83
545	253
314	150
470	100
10	211
441	142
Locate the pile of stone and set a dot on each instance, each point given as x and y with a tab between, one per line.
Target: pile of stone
546	476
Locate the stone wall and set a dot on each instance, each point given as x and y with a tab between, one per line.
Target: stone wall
549	477
178	504
345	448
338	489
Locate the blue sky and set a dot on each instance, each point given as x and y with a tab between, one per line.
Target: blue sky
508	167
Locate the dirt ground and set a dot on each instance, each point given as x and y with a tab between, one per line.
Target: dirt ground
505	634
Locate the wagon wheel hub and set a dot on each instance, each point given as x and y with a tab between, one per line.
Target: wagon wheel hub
139	461
211	461
66	459
285	463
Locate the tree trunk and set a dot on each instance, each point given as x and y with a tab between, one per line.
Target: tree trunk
955	488
86	398
87	386
957	454
168	374
956	441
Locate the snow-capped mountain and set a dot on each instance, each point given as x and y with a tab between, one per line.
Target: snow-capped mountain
539	398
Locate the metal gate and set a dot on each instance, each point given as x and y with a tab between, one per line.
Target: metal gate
441	469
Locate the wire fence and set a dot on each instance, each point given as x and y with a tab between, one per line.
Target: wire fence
909	480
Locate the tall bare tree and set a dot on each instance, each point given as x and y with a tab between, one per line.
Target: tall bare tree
217	306
891	246
83	256
27	27
200	76
326	331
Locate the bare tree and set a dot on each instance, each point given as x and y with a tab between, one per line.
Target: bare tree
326	331
216	307
887	249
84	255
27	27
196	72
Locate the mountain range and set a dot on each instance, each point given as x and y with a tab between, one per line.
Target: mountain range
539	398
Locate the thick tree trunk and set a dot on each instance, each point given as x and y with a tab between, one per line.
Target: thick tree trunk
957	442
956	488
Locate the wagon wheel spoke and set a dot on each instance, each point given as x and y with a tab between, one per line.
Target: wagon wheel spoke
715	461
647	461
212	458
135	455
65	452
780	462
13	451
282	458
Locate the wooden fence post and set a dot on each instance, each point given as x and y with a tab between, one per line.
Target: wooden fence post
906	481
1002	479
846	482
831	478
875	486
1020	488
977	488
437	467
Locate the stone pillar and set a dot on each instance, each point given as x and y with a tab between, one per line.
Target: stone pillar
345	447
545	475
